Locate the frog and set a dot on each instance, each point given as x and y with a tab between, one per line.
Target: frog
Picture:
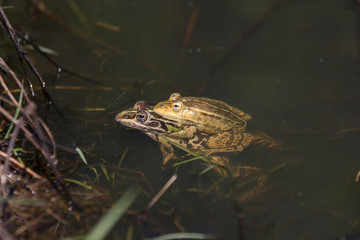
200	114
142	117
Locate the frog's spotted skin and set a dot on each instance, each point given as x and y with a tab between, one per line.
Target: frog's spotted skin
142	117
199	114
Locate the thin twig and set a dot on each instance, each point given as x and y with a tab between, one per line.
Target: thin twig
10	148
4	234
5	24
26	132
13	100
190	27
240	221
14	78
60	68
17	164
161	192
51	137
30	113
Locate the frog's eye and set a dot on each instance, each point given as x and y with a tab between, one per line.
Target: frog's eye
177	106
139	105
175	96
142	116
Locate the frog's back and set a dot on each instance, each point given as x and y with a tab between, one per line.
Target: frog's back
217	109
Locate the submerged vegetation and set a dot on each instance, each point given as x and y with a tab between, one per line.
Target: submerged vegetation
37	202
40	195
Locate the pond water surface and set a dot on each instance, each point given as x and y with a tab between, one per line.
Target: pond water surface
292	65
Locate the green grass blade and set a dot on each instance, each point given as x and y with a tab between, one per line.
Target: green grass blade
183	236
82	184
108	221
103	168
15	153
209	168
122	157
79	13
7	7
130	233
97	175
43	49
81	155
17	111
189	160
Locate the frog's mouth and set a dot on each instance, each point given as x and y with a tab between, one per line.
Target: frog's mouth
121	117
141	122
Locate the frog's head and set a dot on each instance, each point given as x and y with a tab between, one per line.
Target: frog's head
172	110
142	117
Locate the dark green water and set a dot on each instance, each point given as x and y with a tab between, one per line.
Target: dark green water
296	73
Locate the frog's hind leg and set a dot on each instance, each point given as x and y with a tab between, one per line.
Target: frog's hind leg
241	142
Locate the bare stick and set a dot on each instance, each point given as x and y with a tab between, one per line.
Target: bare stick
190	27
161	192
5	24
19	47
15	163
10	148
60	68
14	78
4	234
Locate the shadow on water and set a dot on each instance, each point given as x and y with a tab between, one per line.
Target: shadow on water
293	66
